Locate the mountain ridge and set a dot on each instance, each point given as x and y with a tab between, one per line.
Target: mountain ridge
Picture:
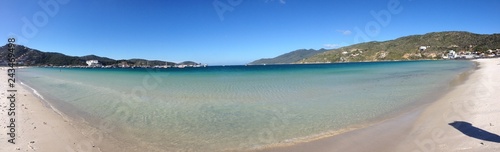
289	57
434	45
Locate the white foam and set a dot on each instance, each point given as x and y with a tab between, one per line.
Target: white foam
34	91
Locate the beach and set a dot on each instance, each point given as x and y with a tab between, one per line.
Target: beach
424	128
463	119
37	126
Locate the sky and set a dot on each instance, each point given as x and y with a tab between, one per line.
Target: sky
222	32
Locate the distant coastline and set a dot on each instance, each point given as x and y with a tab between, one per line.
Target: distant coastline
26	56
430	46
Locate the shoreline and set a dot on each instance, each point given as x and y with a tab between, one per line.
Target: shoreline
92	137
39	127
417	129
367	134
342	137
464	119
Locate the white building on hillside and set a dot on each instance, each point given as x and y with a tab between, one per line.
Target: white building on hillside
92	63
422	48
452	54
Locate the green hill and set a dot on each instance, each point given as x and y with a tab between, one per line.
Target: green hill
28	56
33	57
408	48
290	57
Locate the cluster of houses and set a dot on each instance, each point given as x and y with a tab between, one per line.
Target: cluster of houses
93	63
452	54
471	55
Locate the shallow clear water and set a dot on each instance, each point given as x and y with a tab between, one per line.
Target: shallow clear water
239	107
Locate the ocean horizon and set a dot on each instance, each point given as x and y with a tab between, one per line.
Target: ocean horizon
228	108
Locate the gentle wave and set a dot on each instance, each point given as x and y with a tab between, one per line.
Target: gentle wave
45	102
34	91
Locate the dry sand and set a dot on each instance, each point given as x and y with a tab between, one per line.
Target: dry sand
474	107
38	127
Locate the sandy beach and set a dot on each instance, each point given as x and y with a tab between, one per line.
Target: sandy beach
37	127
463	119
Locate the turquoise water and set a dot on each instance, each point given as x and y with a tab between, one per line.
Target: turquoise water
239	107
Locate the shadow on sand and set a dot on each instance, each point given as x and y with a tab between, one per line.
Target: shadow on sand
474	132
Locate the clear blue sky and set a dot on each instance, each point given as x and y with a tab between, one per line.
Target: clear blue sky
234	32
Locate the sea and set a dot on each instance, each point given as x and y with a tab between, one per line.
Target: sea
238	108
